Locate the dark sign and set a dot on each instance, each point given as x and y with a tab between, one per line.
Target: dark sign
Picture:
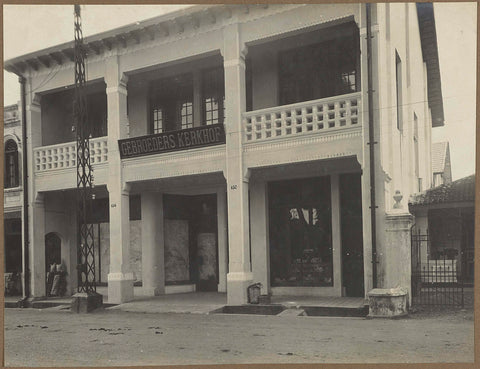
172	141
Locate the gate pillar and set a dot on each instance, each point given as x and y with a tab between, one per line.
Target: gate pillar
397	258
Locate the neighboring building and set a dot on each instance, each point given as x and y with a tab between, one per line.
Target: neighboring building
445	217
13	196
441	166
241	154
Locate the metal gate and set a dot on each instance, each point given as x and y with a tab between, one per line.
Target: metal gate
436	276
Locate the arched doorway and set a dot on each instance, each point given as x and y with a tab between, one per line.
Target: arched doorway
53	255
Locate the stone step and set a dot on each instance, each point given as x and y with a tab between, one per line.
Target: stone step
292	312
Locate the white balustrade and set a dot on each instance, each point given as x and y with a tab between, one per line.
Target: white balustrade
302	118
64	156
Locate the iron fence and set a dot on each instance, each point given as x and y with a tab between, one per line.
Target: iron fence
437	278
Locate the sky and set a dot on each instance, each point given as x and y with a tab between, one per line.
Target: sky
32	27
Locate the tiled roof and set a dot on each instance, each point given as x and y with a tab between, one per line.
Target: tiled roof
439	154
461	190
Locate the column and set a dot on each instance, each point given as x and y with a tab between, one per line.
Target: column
336	235
153	246
240	275
36	231
36	203
120	277
222	239
259	235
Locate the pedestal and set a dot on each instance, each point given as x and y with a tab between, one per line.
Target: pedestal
387	303
86	302
237	284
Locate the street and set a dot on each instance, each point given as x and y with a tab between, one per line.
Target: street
52	337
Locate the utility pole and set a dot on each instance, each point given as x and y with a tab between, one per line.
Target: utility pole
86	298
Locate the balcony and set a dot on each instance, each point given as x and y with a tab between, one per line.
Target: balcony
311	130
55	166
304	118
64	156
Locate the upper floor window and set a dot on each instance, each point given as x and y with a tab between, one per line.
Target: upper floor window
186	112
157	120
171	104
415	145
321	70
213	96
11	164
399	90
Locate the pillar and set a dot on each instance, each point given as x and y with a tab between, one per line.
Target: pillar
222	230
239	275
259	242
336	234
398	255
36	203
120	277
153	246
197	99
36	232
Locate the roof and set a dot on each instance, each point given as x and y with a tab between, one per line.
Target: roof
121	36
428	38
461	190
439	156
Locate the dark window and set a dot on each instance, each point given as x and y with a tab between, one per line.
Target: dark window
415	145
135	206
213	93
398	83
13	245
249	84
11	164
97	113
171	104
321	70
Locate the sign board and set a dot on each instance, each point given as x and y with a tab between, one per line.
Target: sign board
172	141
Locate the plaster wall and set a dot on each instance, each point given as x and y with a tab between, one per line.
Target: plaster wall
399	33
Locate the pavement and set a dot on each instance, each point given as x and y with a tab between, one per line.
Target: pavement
112	337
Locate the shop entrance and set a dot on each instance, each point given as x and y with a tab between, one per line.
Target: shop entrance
352	234
191	252
300	232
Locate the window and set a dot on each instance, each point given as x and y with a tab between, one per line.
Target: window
157	120
171	104
186	112
213	96
415	144
11	164
399	90
329	68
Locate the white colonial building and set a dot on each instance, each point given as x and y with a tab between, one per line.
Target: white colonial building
231	146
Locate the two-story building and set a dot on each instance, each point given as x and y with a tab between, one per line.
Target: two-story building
12	197
231	145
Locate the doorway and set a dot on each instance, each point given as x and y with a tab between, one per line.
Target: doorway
53	255
191	246
351	228
300	233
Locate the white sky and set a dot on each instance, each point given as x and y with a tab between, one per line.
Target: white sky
32	27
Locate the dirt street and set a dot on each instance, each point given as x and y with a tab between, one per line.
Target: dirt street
110	338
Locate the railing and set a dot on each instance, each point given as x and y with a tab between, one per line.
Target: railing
302	118
63	156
